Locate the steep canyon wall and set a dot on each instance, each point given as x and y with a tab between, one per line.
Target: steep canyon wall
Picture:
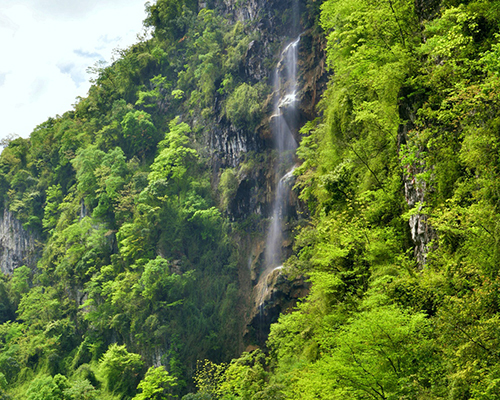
278	23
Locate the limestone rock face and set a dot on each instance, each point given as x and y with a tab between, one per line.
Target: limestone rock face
230	145
18	247
421	231
271	14
415	188
251	152
275	294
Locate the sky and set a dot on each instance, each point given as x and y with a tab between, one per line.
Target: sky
46	47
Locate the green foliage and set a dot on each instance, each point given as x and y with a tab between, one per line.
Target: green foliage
245	377
376	355
209	377
154	97
168	17
3	386
53	199
134	251
228	186
156	385
10	333
19	283
244	105
136	255
85	164
161	287
45	388
362	332
8	301
80	390
348	333
121	370
139	133
174	158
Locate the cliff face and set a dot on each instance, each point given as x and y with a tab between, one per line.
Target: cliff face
274	295
17	246
251	153
416	189
230	145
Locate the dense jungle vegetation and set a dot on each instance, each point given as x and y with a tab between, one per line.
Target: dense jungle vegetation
139	255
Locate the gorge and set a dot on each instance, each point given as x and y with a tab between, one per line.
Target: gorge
264	200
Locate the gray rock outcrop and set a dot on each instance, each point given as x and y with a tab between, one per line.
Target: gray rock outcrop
416	189
18	247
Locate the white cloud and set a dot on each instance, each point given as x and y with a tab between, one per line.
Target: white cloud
46	47
74	9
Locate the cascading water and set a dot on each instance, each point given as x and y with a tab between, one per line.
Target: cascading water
273	253
284	122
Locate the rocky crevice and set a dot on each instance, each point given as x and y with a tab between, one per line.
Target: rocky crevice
416	188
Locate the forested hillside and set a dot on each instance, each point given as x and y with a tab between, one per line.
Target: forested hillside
141	214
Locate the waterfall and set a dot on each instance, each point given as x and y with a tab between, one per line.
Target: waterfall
275	237
283	124
285	99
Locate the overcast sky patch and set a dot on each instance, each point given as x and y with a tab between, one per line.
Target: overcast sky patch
57	9
77	75
7	24
46	48
93	55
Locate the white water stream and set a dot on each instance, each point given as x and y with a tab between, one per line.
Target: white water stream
285	90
